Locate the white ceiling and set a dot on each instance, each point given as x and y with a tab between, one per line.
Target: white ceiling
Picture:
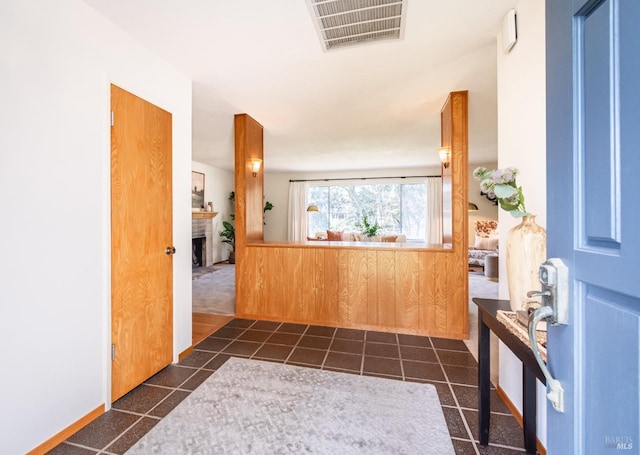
372	106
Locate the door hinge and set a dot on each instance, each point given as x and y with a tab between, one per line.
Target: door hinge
113	122
113	352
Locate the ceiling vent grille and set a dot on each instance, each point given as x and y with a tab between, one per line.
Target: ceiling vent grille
343	23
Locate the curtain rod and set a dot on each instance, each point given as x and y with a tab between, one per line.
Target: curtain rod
367	178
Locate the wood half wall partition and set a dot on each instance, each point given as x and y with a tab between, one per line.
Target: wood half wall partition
387	287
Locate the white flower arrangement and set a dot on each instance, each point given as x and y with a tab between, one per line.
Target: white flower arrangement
501	184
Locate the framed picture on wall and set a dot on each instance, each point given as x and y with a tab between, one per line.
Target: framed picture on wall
197	190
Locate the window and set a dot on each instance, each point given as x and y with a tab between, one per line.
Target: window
400	208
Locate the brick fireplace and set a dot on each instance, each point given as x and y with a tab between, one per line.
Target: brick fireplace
202	238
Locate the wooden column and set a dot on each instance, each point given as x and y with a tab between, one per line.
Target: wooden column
455	134
249	189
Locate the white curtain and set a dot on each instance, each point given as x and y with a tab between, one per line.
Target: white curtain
434	210
297	225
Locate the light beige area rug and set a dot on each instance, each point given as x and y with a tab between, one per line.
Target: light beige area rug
256	407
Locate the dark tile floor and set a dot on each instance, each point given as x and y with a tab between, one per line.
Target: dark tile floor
447	364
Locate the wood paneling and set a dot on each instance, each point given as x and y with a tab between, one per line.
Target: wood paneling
331	303
383	275
394	287
404	291
407	303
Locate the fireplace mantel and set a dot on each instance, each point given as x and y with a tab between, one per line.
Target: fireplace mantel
203	214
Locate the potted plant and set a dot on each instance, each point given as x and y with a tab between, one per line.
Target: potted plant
229	234
368	229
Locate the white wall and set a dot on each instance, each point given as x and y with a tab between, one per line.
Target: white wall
522	144
218	184
57	60
276	191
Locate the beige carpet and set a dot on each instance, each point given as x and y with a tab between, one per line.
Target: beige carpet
255	407
215	292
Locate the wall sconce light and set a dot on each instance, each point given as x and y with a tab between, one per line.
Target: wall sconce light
445	156
254	164
472	207
313	208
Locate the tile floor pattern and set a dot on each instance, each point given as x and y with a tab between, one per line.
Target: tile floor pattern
447	364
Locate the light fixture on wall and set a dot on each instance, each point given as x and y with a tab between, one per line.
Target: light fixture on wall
445	156
313	208
472	207
254	164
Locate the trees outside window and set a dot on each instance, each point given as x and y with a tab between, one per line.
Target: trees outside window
397	208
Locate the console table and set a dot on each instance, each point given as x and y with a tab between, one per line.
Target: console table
487	321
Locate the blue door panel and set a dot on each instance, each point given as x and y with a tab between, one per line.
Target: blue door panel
611	369
598	145
599	269
606	102
629	137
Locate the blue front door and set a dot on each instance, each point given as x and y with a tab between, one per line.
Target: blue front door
593	188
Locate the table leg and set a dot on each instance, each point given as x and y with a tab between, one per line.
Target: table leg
484	380
529	409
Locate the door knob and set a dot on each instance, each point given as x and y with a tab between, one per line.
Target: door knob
170	250
532	294
556	392
554	277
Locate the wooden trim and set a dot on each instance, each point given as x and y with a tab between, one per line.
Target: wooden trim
70	430
514	410
404	246
203	214
185	353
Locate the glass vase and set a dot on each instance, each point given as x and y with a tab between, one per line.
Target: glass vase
526	250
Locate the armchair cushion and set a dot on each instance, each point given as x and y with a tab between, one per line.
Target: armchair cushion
484	243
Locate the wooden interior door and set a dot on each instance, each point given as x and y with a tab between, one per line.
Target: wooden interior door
141	232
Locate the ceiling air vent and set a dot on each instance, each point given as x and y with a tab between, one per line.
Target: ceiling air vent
342	23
